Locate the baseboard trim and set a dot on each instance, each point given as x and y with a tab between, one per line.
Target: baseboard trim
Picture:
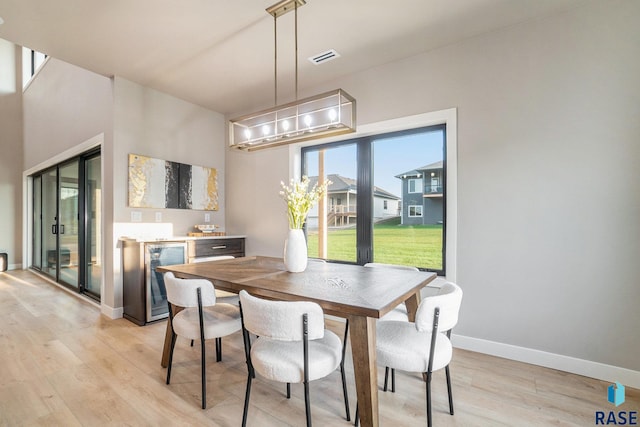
573	365
112	313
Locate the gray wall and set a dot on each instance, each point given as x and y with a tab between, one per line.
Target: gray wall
66	106
548	154
11	152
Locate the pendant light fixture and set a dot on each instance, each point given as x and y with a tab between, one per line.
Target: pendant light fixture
328	114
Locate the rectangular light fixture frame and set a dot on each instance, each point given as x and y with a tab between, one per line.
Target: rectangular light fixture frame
328	114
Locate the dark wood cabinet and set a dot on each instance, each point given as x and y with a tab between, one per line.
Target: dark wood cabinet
214	247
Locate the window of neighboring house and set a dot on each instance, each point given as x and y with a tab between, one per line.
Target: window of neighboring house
365	232
415	210
31	62
415	185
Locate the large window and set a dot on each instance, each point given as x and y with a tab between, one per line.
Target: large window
385	215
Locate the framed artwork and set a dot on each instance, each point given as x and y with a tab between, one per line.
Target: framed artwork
156	183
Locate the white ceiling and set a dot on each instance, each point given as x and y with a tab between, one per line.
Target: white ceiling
219	53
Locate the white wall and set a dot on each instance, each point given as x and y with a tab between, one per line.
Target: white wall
154	124
66	106
548	154
11	152
65	109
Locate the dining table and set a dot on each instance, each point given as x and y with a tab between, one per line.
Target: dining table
356	293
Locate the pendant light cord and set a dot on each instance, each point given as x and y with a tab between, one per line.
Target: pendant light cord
275	58
275	53
296	37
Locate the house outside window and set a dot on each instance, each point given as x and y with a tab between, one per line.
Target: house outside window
366	173
415	210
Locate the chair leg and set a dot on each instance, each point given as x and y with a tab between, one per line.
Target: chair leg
344	380
307	404
246	400
204	377
386	378
357	416
428	382
449	389
288	390
218	349
344	391
393	380
173	345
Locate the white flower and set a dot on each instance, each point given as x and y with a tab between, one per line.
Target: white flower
299	199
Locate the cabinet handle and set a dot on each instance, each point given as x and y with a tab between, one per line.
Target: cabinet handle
219	247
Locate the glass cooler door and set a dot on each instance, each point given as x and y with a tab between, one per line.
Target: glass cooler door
158	254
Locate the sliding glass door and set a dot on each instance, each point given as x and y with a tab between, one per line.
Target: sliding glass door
66	223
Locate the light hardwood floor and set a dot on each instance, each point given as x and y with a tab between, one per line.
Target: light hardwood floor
62	363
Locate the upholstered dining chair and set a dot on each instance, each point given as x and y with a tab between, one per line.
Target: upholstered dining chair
398	313
292	345
423	346
201	318
344	351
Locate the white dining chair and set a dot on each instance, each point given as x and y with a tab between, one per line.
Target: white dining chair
201	318
423	346
292	345
399	312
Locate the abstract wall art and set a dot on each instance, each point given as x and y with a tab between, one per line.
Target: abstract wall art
155	183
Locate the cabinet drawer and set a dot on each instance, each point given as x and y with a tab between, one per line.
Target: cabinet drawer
215	247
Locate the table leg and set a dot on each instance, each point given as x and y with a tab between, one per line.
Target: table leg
166	348
412	304
363	347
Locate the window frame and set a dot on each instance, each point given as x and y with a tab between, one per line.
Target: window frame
447	117
364	196
417	187
415	209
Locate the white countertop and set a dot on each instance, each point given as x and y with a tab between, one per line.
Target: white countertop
177	238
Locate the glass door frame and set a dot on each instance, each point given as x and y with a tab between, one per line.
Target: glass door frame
81	159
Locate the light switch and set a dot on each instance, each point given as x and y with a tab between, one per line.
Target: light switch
158	216
207	217
136	216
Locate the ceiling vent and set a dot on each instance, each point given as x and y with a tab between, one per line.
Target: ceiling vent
324	57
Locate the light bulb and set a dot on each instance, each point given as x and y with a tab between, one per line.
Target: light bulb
307	120
332	114
247	134
285	125
265	130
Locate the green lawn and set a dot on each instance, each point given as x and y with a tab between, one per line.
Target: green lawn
415	245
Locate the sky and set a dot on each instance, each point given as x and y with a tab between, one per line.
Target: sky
391	156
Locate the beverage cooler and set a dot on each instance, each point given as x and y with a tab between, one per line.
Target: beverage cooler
144	293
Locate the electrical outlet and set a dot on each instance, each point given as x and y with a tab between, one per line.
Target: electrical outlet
158	216
207	217
136	216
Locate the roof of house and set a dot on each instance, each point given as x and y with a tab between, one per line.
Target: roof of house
416	171
341	184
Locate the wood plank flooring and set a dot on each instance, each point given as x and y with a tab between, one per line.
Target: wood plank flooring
63	363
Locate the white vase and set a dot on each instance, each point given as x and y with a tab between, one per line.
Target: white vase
295	251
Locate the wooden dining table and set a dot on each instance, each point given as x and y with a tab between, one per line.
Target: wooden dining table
353	292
